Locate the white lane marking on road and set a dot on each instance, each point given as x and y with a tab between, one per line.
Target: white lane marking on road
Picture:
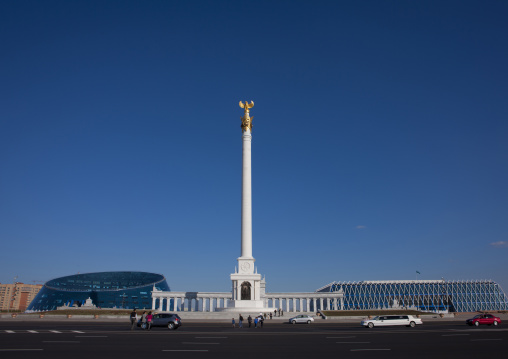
452	335
77	331
199	343
10	331
352	342
19	350
363	350
55	331
477	340
32	331
185	350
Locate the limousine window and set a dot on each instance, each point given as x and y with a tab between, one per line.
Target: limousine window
394	317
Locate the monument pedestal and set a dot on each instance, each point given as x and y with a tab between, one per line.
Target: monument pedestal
248	289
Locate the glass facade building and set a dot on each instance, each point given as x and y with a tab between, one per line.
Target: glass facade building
106	289
426	295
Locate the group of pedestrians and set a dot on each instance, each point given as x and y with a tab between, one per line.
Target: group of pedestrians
146	320
259	320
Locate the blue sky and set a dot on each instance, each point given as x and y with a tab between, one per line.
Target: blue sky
379	144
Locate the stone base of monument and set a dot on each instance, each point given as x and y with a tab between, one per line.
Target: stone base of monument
244	310
239	306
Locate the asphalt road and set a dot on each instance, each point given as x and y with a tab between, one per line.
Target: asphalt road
93	340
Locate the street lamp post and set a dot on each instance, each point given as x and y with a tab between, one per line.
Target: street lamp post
12	294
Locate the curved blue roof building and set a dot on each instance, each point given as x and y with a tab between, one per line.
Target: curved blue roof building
106	289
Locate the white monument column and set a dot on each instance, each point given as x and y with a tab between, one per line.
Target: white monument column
246	195
248	287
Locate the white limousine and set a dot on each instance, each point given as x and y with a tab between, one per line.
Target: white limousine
388	320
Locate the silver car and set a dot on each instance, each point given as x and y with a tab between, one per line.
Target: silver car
301	319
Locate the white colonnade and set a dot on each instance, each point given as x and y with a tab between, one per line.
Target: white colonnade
189	301
211	301
305	302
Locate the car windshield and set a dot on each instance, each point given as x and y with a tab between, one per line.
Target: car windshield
478	316
375	318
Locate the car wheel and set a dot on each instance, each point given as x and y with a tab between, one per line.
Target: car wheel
495	323
308	321
171	326
293	322
412	324
370	325
477	323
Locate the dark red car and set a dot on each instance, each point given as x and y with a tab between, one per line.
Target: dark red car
484	319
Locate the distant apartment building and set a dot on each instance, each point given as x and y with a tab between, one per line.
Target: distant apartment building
17	297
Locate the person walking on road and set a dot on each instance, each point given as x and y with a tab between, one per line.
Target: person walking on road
149	318
134	318
233	322
240	321
256	322
249	319
143	320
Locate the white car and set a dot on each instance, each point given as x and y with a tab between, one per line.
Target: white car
301	319
388	320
